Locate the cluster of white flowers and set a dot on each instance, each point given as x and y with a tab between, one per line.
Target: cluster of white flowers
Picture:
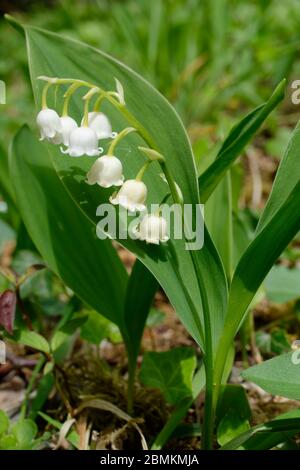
79	140
107	170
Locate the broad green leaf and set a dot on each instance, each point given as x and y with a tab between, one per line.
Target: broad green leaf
283	284
279	376
238	138
141	288
172	265
237	176
171	371
243	234
32	339
64	236
218	218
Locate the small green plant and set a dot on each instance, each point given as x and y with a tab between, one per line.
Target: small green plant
21	435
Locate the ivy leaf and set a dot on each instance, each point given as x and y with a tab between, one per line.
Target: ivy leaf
171	371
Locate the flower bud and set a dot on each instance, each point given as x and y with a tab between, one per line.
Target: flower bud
106	171
99	122
49	125
82	141
152	229
131	196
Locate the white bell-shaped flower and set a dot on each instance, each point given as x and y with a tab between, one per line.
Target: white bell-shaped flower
68	125
49	125
131	196
100	123
82	141
106	171
152	229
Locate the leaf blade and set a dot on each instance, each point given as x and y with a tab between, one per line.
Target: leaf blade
238	138
277	376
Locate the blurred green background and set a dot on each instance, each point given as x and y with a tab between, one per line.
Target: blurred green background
211	59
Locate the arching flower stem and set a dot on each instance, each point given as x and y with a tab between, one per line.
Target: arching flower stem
101	98
117	139
141	173
67	96
44	95
87	98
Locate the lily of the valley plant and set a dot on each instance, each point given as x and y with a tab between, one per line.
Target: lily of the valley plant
107	170
209	289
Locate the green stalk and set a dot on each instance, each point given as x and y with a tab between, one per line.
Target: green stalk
225	341
118	139
141	173
130	385
208	425
44	95
67	97
100	98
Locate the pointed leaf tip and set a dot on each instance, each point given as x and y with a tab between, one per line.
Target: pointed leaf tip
14	23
